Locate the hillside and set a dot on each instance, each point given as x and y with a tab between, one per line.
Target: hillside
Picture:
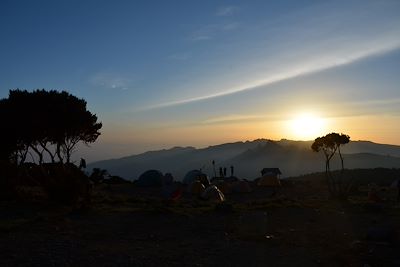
248	158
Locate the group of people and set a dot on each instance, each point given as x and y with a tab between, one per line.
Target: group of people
223	171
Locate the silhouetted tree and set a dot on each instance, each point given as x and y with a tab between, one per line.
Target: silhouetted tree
341	139
45	122
329	145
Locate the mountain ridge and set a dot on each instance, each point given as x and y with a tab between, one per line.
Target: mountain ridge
249	157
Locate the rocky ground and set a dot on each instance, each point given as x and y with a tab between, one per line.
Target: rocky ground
126	226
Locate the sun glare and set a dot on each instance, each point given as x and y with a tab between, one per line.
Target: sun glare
307	126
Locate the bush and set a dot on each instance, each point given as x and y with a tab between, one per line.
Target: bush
8	180
66	184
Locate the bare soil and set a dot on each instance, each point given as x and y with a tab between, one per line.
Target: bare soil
128	226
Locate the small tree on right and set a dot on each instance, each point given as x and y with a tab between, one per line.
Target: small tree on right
329	145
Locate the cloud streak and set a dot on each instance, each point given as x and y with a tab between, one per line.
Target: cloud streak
233	119
212	30
309	66
226	11
109	81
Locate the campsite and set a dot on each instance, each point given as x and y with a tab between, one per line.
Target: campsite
278	222
238	133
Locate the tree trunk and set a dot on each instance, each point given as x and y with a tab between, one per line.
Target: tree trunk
58	152
68	154
48	151
328	179
40	155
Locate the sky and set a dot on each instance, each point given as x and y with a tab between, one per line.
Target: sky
160	74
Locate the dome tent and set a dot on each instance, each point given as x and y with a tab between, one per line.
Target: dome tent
196	175
223	186
150	178
196	188
241	187
213	193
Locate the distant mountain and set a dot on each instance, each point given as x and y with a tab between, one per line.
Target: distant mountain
248	158
371	147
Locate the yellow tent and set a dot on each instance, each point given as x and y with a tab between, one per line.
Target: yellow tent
269	180
213	193
196	188
225	187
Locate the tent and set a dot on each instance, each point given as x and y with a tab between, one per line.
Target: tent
196	188
224	186
231	179
150	178
269	180
241	187
271	171
196	175
172	191
213	193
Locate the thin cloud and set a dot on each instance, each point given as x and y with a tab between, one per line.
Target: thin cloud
226	11
233	118
308	67
212	30
109	81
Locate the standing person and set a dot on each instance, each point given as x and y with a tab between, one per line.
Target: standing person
231	170
215	173
224	171
220	172
82	164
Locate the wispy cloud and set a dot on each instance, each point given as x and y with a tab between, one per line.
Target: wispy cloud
232	118
212	30
311	65
110	81
226	11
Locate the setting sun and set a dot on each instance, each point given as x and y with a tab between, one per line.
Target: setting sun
307	126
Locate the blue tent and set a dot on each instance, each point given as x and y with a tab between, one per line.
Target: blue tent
196	175
150	178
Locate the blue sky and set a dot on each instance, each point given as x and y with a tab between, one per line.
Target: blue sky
165	73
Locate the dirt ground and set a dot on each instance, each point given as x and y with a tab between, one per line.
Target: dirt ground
128	226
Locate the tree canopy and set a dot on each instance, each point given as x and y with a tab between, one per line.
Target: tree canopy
329	145
41	122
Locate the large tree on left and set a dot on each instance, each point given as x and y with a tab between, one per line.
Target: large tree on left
41	123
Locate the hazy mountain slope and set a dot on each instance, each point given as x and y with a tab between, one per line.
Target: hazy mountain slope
352	147
176	160
291	160
372	148
295	161
248	158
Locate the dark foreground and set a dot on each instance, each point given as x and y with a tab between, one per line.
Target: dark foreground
126	226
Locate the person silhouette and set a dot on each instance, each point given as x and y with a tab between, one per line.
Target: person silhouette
224	172
82	164
231	170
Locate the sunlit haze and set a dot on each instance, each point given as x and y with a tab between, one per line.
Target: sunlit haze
198	73
307	126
